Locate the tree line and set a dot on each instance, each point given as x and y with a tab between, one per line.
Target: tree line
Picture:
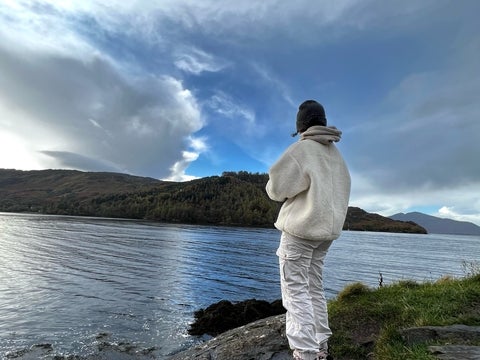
232	199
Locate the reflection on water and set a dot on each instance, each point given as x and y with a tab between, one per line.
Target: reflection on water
64	280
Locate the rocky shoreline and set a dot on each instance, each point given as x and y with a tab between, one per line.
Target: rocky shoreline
265	340
260	340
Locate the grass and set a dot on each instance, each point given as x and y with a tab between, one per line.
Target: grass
366	322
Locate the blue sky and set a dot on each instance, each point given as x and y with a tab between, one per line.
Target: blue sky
176	89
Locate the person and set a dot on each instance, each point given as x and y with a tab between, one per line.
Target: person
312	179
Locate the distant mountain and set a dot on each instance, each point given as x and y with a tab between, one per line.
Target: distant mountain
438	225
233	199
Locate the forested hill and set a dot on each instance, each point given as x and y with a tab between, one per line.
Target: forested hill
234	199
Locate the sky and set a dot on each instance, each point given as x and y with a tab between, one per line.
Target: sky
181	89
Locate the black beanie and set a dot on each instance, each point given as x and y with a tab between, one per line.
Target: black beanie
310	113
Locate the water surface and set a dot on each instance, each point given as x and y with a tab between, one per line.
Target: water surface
65	280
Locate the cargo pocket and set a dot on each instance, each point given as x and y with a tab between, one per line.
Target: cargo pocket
285	256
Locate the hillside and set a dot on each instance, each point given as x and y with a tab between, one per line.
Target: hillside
438	225
233	199
360	220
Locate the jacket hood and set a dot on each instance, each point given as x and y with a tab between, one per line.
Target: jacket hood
323	134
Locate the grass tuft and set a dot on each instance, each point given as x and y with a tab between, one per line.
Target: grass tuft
353	290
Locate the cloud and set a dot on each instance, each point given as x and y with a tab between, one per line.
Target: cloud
429	138
241	119
451	213
274	83
177	171
196	61
68	160
84	106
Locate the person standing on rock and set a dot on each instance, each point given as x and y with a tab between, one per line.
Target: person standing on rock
313	181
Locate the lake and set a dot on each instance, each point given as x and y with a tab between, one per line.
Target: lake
67	280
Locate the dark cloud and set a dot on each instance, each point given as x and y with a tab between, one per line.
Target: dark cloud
431	139
68	160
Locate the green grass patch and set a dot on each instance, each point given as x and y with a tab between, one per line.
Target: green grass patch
366	321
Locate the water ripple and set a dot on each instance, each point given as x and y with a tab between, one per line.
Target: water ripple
63	280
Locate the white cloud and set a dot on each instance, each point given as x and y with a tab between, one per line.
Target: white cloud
199	144
242	118
196	61
177	171
450	213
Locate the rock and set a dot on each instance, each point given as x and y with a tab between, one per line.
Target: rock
261	340
455	352
460	334
224	315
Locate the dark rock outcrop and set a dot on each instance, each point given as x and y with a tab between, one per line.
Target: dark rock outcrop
225	315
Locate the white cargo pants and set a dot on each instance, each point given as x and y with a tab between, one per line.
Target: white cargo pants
301	265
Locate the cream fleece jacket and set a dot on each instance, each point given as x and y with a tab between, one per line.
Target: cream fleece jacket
313	180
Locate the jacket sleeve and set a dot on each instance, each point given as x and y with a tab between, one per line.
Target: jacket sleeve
286	179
